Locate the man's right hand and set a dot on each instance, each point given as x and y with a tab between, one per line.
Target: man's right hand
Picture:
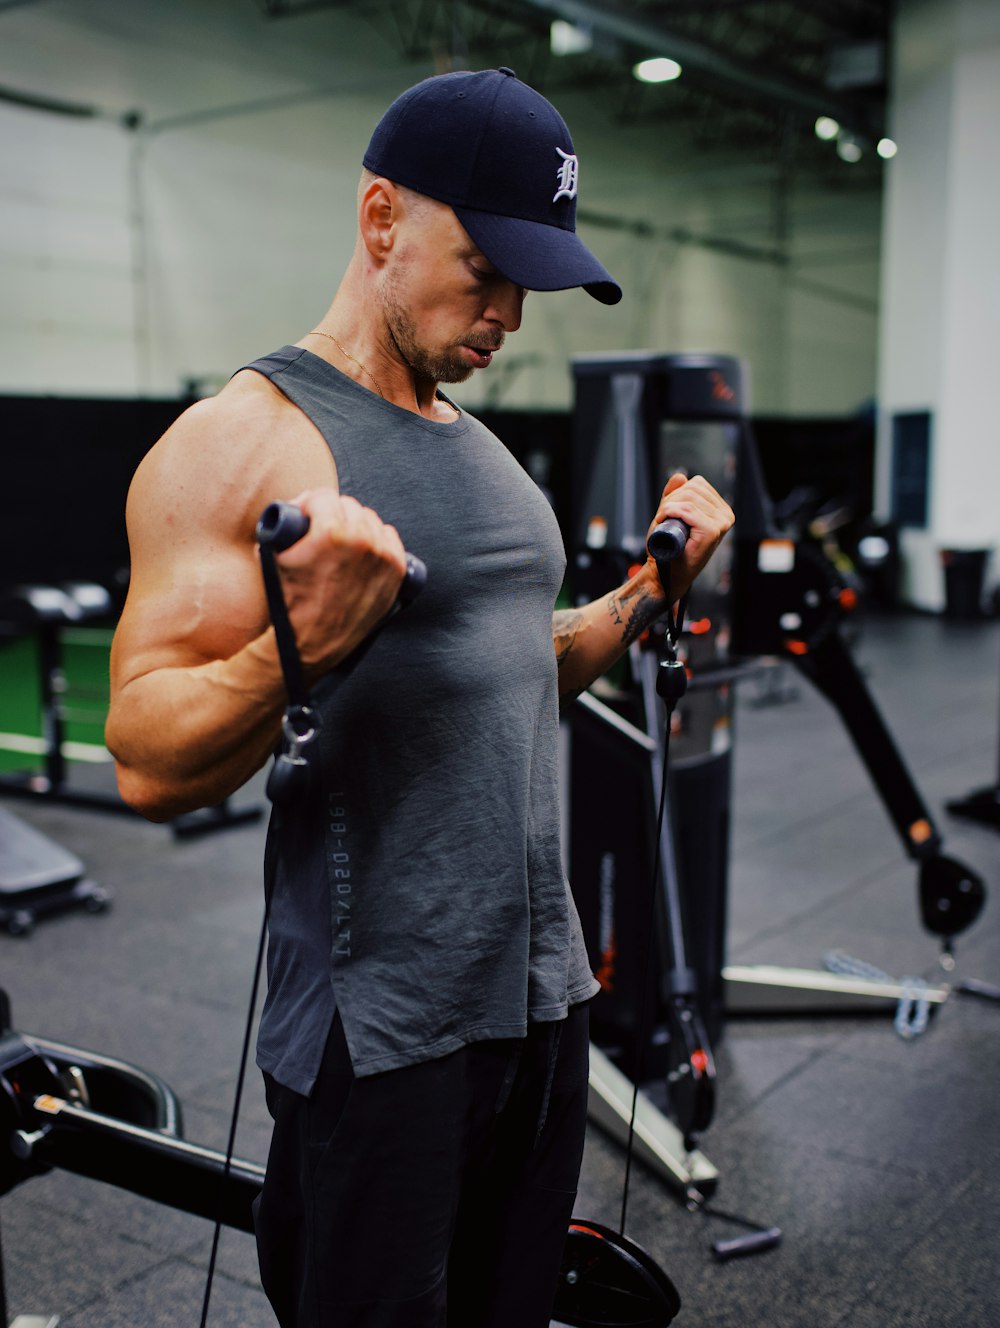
341	579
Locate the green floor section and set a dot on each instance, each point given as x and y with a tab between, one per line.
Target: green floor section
83	695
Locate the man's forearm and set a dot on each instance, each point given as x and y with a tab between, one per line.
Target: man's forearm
185	738
589	639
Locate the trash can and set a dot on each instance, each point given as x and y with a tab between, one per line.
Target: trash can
964	571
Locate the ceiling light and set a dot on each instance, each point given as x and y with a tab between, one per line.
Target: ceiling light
848	148
568	39
660	69
886	148
826	128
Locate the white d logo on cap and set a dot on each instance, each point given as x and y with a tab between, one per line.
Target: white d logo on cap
567	175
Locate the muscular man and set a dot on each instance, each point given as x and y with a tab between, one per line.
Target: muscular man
424	1039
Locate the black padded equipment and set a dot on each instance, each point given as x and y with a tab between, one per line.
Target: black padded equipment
39	876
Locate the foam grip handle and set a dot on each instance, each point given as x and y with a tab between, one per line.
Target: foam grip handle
667	539
414	579
751	1244
283	524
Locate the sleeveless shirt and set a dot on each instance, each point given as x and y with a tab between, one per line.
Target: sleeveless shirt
419	889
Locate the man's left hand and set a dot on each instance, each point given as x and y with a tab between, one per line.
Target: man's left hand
695	502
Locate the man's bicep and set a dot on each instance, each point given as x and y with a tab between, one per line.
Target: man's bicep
195	591
187	609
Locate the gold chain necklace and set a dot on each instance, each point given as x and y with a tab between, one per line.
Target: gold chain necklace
316	332
347	355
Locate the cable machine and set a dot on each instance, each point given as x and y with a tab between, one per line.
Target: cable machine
764	595
638	416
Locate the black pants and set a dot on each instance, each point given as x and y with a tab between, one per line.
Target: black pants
435	1196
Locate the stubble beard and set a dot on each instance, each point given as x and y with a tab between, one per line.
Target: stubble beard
442	366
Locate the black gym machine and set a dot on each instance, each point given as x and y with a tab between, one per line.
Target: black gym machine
766	595
108	1120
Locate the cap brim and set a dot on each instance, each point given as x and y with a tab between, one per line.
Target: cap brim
538	256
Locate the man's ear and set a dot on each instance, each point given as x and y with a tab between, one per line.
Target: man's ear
378	215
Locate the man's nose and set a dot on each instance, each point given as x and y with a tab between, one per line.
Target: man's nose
505	305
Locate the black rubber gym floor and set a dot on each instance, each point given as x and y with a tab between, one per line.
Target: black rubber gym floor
876	1156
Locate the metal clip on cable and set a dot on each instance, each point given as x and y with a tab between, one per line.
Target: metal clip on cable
913	1007
291	768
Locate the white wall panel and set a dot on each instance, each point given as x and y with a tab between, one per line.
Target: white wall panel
941	295
66	308
245	221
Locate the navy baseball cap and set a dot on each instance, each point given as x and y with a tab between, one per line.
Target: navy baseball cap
501	156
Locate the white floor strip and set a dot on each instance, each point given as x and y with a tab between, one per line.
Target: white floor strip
73	751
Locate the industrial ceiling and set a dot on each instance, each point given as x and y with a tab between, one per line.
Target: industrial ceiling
756	73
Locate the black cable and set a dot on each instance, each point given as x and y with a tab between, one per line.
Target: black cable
270	536
3	1289
644	990
673	632
288	654
280	526
231	1145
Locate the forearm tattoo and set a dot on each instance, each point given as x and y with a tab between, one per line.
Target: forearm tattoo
565	625
631	609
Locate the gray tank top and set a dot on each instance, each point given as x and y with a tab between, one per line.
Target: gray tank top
420	889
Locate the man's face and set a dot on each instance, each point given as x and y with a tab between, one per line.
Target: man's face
446	307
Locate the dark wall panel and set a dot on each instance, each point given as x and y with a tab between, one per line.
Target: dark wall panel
66	466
